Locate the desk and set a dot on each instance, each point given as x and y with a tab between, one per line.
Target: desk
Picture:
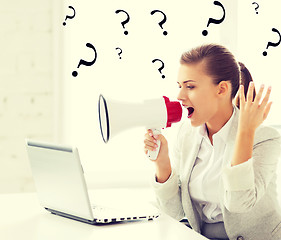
22	218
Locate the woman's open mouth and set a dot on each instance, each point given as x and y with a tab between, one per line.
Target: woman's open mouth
190	111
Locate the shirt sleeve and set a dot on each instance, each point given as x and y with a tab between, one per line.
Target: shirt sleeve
167	189
245	184
239	177
168	196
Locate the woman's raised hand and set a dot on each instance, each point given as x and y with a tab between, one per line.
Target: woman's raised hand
253	112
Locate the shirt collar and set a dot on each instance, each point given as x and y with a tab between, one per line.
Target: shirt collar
223	132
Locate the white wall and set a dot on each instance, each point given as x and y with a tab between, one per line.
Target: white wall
254	34
27	88
133	78
40	99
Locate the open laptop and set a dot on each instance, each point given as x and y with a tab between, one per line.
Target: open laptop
62	189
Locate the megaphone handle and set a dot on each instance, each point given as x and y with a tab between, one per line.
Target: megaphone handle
153	154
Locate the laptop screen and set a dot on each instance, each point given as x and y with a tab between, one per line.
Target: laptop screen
59	179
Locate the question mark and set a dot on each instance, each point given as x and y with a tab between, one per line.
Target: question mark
159	69
211	20
162	22
83	62
69	17
119	52
273	44
256	7
124	22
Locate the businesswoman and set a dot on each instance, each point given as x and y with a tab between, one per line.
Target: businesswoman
221	176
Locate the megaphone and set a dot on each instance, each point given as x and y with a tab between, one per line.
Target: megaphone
154	114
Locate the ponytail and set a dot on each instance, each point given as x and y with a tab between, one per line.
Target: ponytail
245	79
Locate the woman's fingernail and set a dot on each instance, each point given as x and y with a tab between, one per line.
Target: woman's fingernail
269	88
150	134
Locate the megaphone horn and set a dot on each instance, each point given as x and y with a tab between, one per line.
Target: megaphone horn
154	114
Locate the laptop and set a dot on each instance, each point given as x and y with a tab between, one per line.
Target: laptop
61	187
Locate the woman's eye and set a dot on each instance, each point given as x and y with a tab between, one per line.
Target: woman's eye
190	87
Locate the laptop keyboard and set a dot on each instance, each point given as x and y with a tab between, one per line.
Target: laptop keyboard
107	214
98	208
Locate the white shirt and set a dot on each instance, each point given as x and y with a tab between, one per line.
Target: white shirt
206	173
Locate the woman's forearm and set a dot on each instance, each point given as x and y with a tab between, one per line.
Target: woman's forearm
243	147
252	114
163	172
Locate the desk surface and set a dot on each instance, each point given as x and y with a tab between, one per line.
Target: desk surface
23	218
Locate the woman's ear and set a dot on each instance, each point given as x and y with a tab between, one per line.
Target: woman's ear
224	88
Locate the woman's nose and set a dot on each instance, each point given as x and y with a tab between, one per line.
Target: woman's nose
181	95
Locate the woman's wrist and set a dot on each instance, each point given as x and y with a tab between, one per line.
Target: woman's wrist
246	132
243	147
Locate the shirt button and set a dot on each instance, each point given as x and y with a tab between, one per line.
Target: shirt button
240	238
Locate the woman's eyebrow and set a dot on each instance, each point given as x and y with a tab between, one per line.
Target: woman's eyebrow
187	81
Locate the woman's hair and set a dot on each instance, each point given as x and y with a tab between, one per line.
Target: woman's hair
221	65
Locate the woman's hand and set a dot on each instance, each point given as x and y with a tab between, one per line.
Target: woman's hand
253	113
162	162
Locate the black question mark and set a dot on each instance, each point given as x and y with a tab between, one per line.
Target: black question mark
124	22
159	69
83	62
256	8
215	21
271	43
162	22
119	54
69	17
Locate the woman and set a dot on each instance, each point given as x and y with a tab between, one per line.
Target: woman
222	174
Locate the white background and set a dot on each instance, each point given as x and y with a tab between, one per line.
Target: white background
40	99
134	78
